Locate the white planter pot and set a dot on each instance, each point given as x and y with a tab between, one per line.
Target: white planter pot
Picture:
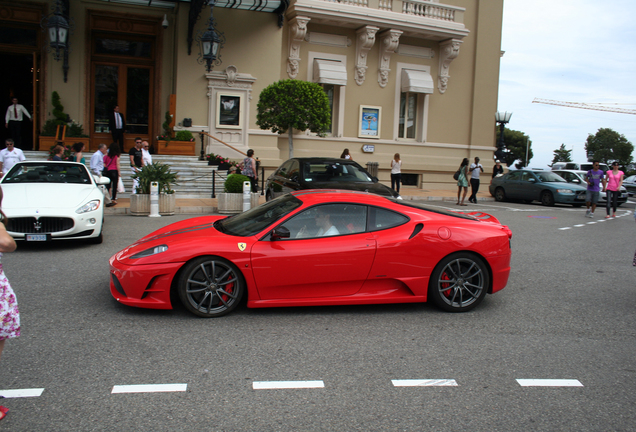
140	204
232	203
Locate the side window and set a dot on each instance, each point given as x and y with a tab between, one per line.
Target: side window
327	220
514	176
380	219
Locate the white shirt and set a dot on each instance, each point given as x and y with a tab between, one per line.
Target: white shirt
332	231
11	111
97	163
9	159
146	157
476	171
396	167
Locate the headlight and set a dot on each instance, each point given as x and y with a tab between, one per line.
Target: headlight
148	252
88	207
565	191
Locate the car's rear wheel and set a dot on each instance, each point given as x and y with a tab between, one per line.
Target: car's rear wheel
210	286
547	199
500	194
459	282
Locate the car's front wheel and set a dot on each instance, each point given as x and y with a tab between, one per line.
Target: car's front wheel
210	286
459	282
500	194
547	199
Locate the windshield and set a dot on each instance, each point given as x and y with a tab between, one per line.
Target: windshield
258	218
547	176
48	173
334	171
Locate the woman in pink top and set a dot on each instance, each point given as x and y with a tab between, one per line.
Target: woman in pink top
612	184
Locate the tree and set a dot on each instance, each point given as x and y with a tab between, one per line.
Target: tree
562	155
514	148
608	146
291	104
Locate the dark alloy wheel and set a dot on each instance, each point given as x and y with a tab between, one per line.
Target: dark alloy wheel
459	282
547	199
500	194
210	286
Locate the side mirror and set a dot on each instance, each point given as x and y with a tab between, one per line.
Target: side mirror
279	233
532	180
576	181
103	181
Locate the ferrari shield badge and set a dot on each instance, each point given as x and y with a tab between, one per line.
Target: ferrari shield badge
242	246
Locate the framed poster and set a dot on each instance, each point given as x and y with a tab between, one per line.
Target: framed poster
369	126
229	110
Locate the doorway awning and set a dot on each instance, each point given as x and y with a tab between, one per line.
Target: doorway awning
417	81
330	72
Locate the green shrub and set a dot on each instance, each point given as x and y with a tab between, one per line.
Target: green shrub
234	183
184	135
155	172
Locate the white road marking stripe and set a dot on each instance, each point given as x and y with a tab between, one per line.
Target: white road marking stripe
22	393
149	388
579	225
270	385
424	382
549	383
591	223
565	228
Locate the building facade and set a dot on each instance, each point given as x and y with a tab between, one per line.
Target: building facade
415	77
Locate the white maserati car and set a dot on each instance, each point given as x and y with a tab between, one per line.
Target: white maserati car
47	201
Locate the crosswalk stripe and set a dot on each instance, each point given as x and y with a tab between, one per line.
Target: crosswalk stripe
149	388
270	385
549	383
21	393
424	382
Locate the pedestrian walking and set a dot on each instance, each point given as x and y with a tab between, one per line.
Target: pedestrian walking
396	172
145	149
594	178
462	181
248	168
475	169
136	162
78	153
496	170
117	126
13	121
112	166
612	185
9	314
346	155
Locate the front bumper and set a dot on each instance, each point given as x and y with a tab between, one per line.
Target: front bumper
57	227
145	286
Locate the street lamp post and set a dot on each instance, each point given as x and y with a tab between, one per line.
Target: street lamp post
502	118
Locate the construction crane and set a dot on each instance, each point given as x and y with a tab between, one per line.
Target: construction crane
596	107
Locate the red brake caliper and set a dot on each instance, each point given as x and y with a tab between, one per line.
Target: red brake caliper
447	293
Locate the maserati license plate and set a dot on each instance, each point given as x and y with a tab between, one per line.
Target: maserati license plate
36	237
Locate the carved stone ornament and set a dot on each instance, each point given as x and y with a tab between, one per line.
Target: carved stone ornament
364	42
297	31
389	41
449	50
231	75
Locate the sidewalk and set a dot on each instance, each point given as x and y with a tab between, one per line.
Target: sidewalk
429	192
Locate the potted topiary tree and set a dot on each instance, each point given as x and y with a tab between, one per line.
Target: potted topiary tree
74	131
162	174
231	201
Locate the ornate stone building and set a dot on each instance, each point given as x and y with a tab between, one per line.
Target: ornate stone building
424	74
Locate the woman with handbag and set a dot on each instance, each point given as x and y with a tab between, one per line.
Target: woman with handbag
462	181
112	168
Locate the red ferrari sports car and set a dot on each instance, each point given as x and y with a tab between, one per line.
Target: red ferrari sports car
317	247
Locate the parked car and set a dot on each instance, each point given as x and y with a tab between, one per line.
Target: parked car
323	173
47	201
544	186
578	177
630	184
584	166
317	247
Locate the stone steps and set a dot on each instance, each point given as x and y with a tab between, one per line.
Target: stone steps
194	176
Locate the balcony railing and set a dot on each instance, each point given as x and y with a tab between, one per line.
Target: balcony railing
420	8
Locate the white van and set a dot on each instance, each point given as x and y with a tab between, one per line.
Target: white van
583	166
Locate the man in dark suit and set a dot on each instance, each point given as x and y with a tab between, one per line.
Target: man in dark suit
117	125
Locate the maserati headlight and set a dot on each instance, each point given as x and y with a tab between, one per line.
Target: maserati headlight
565	191
88	207
152	251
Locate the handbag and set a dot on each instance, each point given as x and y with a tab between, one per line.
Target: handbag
456	175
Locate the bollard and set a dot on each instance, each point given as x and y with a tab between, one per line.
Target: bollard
154	200
247	195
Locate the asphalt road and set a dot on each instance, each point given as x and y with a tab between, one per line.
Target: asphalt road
567	314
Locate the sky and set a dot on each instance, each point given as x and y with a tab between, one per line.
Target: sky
567	50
